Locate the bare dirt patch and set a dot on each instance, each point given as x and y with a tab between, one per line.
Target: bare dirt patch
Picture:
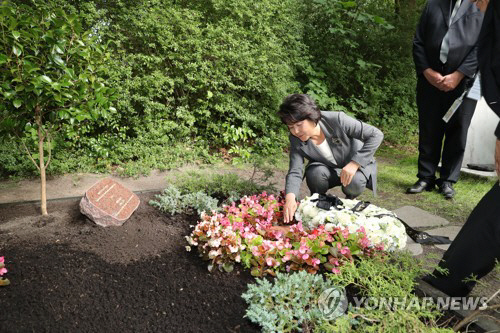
69	275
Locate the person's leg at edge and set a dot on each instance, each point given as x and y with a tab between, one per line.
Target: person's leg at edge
431	133
454	146
475	249
431	129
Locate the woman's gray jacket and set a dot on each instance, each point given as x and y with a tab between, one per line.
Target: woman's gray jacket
349	140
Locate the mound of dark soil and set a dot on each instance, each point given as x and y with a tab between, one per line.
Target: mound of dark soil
69	275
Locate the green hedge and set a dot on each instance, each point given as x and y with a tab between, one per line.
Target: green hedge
212	73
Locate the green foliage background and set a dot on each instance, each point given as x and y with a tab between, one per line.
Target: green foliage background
196	76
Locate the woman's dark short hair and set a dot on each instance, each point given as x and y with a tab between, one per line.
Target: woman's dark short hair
298	107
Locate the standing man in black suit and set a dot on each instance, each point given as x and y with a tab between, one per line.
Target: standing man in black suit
477	246
445	55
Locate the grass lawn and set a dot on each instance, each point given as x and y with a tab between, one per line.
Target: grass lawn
397	170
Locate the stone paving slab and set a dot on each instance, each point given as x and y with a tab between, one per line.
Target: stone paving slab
419	218
484	174
451	232
413	247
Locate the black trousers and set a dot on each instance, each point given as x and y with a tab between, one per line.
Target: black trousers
474	250
432	105
320	178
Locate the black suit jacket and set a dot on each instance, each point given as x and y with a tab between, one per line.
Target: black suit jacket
463	36
489	58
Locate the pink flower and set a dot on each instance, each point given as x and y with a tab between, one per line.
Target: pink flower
345	250
335	271
286	257
3	271
316	261
361	229
305	256
269	261
365	242
345	233
2	259
334	262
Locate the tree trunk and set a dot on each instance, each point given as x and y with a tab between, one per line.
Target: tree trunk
43	185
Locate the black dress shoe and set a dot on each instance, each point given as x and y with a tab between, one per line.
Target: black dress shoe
447	189
420	186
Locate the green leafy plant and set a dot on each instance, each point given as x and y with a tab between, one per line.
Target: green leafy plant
51	72
207	75
369	69
227	187
172	201
204	69
289	303
390	276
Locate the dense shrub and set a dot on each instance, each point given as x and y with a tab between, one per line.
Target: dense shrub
211	73
208	69
361	61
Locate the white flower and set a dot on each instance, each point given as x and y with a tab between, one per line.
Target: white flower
212	254
402	241
386	230
329	227
344	218
298	216
188	248
310	211
191	241
317	219
352	228
214	242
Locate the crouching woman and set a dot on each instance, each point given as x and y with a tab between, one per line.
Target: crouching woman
339	149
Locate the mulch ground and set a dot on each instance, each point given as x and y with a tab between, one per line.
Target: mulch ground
69	275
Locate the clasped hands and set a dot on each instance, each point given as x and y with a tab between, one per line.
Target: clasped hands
444	83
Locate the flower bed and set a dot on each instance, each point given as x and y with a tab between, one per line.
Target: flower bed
244	234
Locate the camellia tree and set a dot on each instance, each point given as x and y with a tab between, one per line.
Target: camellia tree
51	77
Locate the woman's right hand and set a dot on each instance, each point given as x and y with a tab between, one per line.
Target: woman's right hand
289	208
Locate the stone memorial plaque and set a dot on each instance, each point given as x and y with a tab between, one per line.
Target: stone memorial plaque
109	203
